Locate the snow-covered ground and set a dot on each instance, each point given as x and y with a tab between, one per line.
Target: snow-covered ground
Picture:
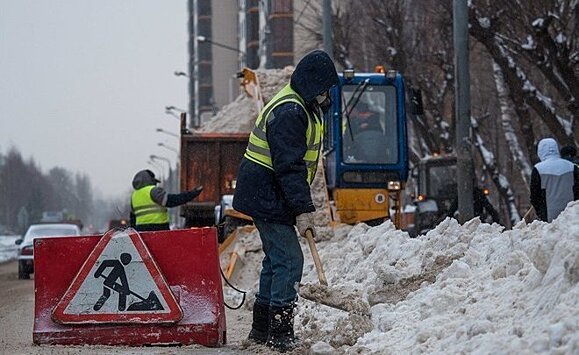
474	288
8	249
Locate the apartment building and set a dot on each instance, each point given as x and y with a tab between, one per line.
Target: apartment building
227	35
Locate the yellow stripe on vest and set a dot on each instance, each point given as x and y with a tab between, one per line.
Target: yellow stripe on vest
258	148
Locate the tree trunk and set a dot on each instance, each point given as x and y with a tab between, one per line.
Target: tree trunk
501	182
507	116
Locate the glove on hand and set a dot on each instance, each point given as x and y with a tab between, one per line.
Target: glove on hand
196	192
304	222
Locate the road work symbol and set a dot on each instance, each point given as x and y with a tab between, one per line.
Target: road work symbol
122	287
112	284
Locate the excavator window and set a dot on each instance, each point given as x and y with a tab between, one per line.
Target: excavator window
370	130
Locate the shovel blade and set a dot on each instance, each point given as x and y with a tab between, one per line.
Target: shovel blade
150	303
338	298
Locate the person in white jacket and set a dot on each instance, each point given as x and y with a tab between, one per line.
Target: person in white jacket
554	181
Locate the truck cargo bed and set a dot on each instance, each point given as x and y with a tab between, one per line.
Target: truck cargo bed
211	160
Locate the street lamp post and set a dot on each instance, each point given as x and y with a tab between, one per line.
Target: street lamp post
208	92
158	167
204	39
170	110
180	110
167	132
160	144
173	182
166	160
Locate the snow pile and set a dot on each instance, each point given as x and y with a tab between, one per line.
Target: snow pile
456	289
8	247
239	116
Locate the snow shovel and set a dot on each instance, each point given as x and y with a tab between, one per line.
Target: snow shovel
151	303
323	294
528	213
310	235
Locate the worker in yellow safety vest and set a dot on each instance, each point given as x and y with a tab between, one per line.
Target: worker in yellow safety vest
273	187
149	202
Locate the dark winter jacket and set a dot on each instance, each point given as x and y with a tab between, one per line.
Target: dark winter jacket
280	195
569	152
554	181
482	207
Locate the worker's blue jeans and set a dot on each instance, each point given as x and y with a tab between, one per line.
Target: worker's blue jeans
282	265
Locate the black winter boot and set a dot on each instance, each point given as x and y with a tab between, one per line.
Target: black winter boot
260	326
281	328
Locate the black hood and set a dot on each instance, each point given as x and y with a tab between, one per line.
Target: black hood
313	75
144	178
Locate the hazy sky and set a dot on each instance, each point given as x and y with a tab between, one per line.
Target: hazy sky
84	84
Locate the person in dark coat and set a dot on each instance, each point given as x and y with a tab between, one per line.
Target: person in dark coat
149	202
569	152
273	187
365	142
554	181
482	207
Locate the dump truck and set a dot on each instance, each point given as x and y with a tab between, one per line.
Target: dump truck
211	160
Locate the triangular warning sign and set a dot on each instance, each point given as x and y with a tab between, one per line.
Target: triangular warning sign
118	283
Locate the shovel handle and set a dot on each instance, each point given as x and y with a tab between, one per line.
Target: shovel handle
527	213
119	285
319	268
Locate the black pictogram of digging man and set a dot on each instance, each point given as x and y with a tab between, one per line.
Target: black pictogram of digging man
110	283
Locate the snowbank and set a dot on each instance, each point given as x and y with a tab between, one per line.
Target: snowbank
8	249
239	116
470	288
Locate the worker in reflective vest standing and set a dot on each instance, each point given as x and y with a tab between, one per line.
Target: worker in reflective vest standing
149	202
273	187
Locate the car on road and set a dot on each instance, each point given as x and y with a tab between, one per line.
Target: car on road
35	231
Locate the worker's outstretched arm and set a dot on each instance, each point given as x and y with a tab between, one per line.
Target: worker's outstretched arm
182	198
161	197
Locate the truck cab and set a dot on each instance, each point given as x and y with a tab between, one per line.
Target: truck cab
436	191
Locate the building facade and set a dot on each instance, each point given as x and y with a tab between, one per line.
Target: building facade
227	35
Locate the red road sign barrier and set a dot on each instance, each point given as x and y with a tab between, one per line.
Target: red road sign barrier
87	289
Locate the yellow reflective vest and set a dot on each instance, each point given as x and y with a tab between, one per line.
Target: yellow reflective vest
145	209
258	147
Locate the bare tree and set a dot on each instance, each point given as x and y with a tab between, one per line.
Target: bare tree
540	40
508	116
84	196
523	72
24	187
500	181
